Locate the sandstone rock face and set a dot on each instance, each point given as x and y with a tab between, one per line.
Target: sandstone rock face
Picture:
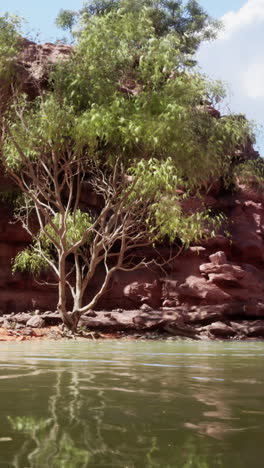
18	292
222	272
217	287
32	68
37	58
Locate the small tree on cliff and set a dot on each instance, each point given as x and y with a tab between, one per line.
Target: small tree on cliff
123	120
136	207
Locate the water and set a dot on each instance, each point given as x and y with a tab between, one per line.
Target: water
131	404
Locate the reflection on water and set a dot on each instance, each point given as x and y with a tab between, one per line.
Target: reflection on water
50	448
131	405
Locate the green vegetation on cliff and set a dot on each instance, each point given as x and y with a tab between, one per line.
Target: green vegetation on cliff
125	118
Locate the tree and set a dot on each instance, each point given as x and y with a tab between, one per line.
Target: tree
42	157
123	118
9	43
188	19
9	48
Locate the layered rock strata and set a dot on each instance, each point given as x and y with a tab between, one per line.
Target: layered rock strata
215	289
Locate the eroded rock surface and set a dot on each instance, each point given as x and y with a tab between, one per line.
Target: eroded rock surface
213	290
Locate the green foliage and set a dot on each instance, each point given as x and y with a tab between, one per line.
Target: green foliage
157	183
75	225
66	19
171	223
47	123
153	179
9	44
99	7
30	260
188	19
163	123
251	173
134	94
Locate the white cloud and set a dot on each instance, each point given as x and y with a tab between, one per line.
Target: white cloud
251	12
237	57
253	80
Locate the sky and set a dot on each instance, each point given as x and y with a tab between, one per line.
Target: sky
236	57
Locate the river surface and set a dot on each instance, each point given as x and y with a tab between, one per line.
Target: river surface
132	404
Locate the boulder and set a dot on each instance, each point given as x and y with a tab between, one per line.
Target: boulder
52	319
256	329
221	329
35	322
143	293
145	307
198	287
219	258
21	318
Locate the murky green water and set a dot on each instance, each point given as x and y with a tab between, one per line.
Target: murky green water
131	404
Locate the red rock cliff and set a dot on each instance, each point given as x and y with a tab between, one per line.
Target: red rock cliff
218	285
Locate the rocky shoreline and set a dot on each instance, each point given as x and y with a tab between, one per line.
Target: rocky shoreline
220	322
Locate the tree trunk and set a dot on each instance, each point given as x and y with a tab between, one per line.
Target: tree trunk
70	320
75	317
66	318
